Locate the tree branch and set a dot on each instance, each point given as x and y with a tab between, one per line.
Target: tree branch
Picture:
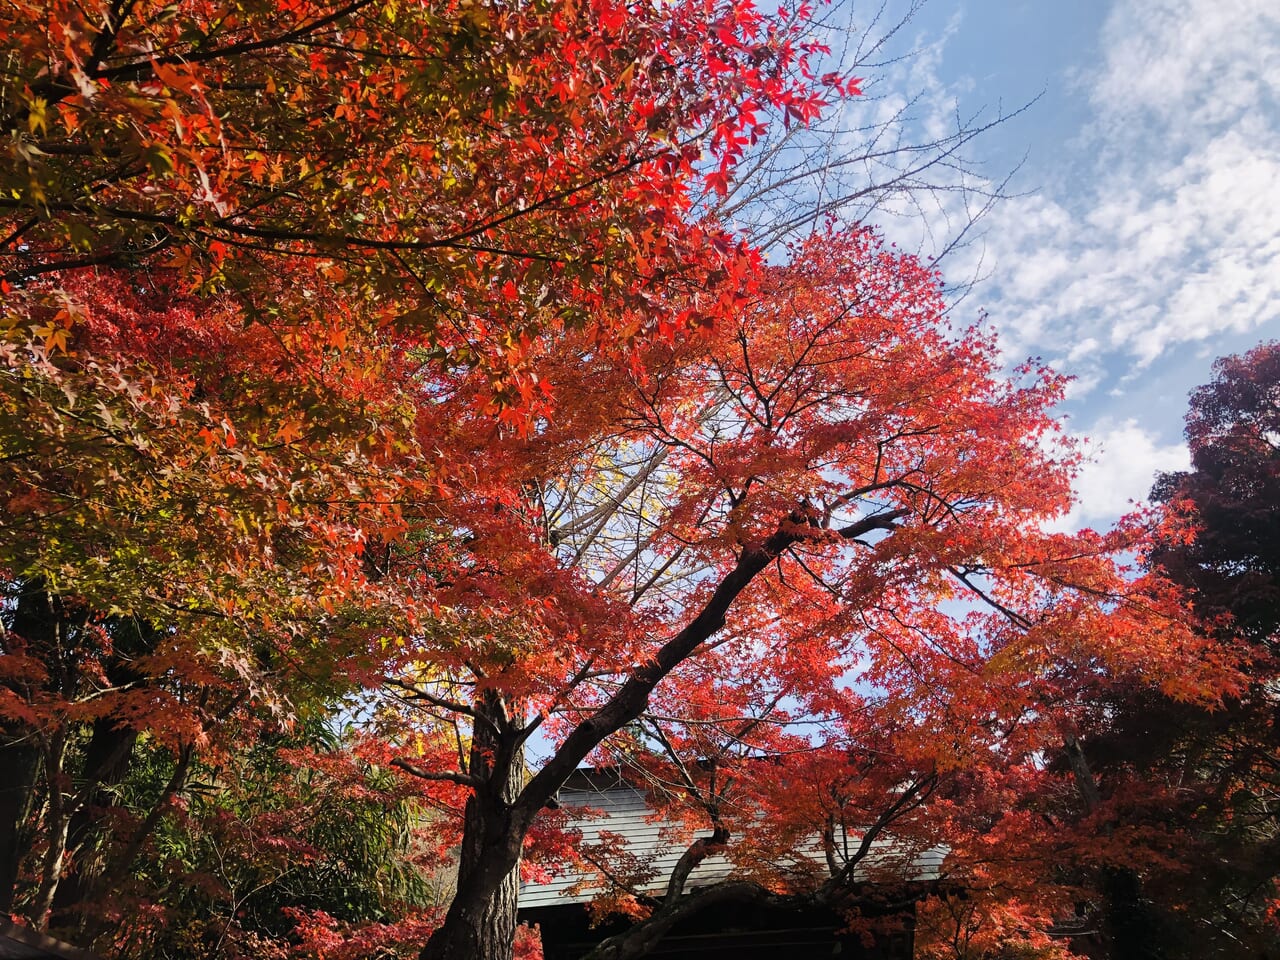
445	776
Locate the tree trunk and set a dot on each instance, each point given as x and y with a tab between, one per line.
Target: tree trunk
32	627
107	760
55	825
481	922
105	765
1128	926
478	927
19	759
1131	930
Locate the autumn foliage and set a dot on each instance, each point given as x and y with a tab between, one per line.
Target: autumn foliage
385	363
815	532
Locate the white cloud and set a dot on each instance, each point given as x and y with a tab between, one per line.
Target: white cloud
1083	349
1123	460
1173	233
1187	65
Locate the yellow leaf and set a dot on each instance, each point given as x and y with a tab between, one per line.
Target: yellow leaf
36	122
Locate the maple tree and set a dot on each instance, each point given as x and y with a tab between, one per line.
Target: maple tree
745	530
230	234
1208	777
473	171
172	553
717	533
1160	805
395	345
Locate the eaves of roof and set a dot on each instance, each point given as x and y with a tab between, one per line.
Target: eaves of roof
23	943
621	809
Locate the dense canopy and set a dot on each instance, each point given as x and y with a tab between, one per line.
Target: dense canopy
388	427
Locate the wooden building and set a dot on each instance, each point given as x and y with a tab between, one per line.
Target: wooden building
725	931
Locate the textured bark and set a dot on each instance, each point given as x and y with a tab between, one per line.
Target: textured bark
1086	785
107	759
482	928
481	921
56	824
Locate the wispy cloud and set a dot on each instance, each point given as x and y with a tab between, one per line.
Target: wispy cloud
1169	229
1187	66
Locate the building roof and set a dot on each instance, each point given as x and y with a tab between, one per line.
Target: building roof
23	943
622	809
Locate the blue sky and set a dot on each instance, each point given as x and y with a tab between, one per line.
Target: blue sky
1143	237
